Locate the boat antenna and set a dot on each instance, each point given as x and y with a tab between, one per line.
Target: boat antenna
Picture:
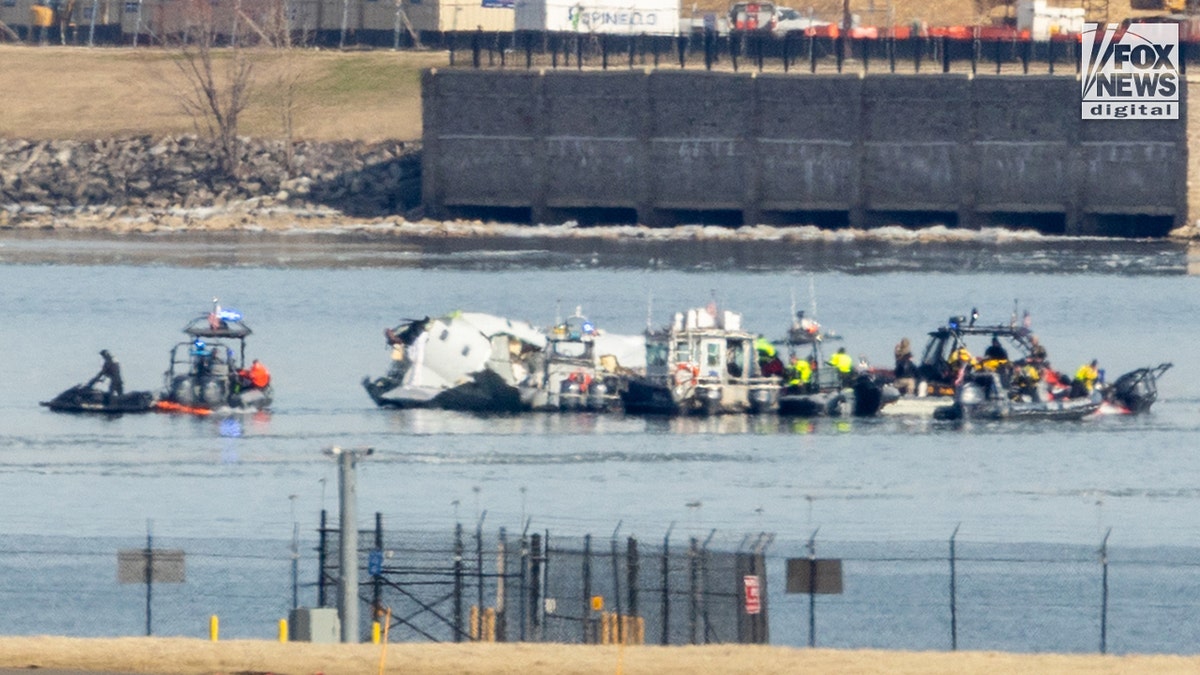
1012	321
812	294
558	311
649	310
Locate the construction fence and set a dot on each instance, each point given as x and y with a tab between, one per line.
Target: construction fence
471	583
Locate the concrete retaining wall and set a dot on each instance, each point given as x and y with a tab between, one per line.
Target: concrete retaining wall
665	147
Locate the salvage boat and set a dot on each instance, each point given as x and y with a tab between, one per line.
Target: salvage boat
584	368
466	361
209	372
703	363
812	388
982	396
1023	375
84	399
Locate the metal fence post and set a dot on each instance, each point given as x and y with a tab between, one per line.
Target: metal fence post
812	589
377	579
535	585
587	589
479	577
458	582
953	594
694	590
631	575
1104	593
322	545
616	576
501	591
703	595
666	587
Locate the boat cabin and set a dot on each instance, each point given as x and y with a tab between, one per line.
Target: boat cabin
938	362
708	346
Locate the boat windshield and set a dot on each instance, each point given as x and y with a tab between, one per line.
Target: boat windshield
656	354
571	349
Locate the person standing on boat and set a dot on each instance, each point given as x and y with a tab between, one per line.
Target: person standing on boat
799	373
995	351
769	363
906	370
843	364
110	370
1085	379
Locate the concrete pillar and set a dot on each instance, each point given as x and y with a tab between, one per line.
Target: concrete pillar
538	211
431	196
643	163
967	162
753	131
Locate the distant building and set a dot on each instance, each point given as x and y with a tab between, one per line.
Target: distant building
1045	21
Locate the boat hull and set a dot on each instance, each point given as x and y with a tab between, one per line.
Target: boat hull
641	397
484	392
81	399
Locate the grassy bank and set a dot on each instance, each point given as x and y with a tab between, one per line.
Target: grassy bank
74	92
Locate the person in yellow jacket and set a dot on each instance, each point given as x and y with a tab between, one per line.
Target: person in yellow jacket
799	372
842	363
1085	377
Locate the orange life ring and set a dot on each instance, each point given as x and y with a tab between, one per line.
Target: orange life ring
687	373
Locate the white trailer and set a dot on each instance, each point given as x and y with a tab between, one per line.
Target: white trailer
620	17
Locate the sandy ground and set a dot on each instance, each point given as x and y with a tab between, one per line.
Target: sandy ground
187	656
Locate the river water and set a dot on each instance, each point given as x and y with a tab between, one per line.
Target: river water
318	306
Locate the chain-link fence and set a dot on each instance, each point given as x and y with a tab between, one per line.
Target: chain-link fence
473	583
482	585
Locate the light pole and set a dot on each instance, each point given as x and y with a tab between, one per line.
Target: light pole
347	459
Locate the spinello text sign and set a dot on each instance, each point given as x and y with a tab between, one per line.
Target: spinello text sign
1130	73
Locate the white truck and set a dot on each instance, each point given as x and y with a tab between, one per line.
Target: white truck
620	17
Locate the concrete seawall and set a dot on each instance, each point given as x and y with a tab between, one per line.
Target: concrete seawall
667	147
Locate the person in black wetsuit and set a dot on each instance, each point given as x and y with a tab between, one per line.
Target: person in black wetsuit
111	370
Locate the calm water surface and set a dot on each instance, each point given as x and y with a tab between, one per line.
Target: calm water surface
318	307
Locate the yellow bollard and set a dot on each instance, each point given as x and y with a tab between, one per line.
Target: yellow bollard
283	630
214	628
375	632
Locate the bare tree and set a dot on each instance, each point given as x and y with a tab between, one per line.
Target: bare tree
219	79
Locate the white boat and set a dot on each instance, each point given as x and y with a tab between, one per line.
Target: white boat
462	361
704	363
584	368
